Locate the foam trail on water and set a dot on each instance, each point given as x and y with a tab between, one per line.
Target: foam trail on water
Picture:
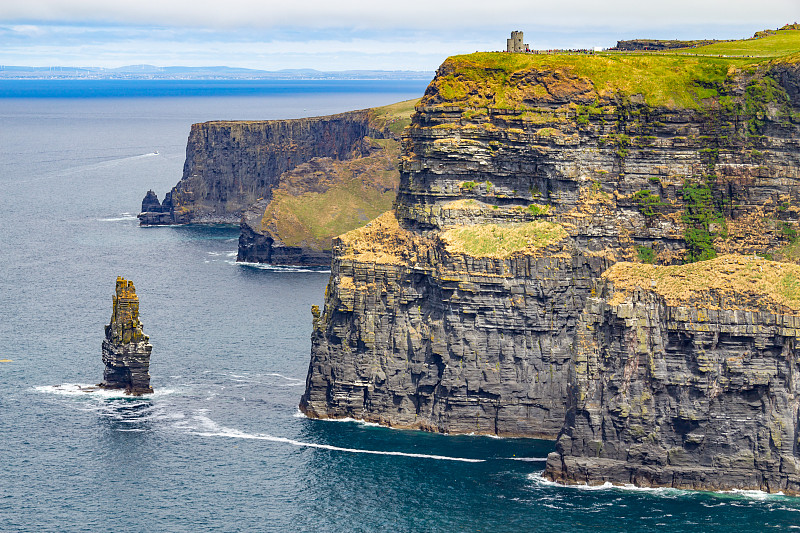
293	382
276	268
89	390
528	459
122	218
212	429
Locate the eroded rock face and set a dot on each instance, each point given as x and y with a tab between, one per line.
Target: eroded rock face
126	349
416	334
231	164
684	394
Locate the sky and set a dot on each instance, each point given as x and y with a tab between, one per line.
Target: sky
349	34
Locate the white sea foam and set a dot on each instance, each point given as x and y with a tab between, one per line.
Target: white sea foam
528	459
124	217
81	389
537	479
209	428
90	390
293	382
278	268
358	421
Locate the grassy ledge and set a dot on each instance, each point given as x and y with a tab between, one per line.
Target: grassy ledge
501	241
738	280
394	116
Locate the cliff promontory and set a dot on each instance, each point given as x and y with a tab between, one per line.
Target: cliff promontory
231	164
523	179
292	184
687	376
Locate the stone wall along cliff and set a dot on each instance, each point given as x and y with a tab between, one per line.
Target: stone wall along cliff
687	377
126	349
232	164
652	158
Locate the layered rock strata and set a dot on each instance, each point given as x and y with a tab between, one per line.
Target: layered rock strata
126	349
418	333
687	377
231	164
414	321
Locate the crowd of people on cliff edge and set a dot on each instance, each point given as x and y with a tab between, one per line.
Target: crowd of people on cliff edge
554	51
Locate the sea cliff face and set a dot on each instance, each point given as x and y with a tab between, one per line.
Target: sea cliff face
418	333
459	312
687	377
232	164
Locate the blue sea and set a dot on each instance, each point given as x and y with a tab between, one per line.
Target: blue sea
220	445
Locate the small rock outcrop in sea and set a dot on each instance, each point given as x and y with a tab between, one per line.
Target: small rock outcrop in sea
126	349
155	213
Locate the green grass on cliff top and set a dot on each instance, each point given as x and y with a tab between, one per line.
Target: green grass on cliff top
780	43
502	240
673	80
395	116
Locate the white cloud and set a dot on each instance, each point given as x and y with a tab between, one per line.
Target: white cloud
372	14
332	35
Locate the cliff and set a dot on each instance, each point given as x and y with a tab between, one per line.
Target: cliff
318	200
452	314
231	164
687	377
126	349
292	184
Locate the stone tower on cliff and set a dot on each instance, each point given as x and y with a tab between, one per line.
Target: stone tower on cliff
515	44
126	350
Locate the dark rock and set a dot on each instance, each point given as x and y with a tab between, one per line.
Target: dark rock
231	164
414	334
150	202
683	396
126	349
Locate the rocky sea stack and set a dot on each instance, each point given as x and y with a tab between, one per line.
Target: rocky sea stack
126	350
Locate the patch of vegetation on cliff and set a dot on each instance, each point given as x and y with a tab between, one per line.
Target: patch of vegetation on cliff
703	222
671	80
647	202
729	281
501	240
393	116
318	201
382	241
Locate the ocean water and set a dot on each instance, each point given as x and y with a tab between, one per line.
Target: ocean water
221	446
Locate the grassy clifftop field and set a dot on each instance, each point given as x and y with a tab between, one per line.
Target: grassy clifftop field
676	79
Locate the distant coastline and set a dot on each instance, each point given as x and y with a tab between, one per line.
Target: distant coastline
138	88
150	72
